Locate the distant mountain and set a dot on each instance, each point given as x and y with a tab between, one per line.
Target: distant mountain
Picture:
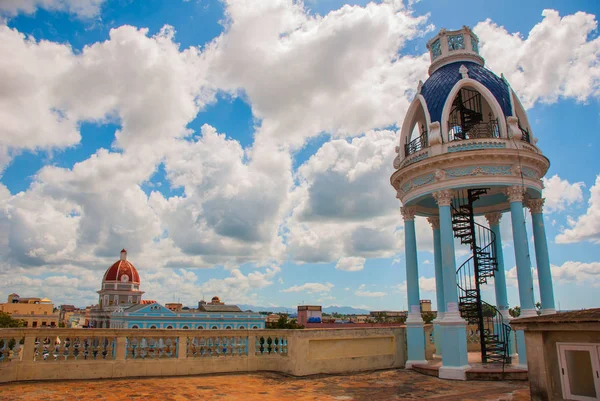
343	310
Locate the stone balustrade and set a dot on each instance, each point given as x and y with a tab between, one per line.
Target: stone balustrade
62	354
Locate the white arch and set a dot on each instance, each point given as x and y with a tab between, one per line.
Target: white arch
406	129
487	95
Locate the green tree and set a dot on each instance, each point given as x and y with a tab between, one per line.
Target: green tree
7	321
381	317
488	310
285	323
428	317
515	312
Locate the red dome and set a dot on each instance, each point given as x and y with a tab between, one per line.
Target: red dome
122	271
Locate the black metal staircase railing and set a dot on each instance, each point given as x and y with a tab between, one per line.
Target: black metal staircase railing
416	144
494	333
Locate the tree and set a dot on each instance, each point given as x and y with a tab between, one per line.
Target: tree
515	312
428	317
7	321
285	323
381	317
488	310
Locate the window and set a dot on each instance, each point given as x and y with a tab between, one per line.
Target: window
241	327
129	299
456	42
135	326
436	49
255	327
579	366
474	44
34	324
200	327
228	328
169	327
185	327
153	327
215	328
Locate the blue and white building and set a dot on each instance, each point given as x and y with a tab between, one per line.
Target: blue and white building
209	316
120	305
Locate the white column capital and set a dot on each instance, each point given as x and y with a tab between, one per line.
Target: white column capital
408	212
514	194
435	222
444	197
536	206
493	218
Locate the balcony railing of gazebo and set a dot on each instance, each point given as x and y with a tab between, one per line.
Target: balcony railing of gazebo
416	144
480	130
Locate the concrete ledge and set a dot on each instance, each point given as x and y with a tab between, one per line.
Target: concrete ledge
453	372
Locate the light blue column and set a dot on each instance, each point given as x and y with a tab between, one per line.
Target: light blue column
541	256
439	284
454	342
415	334
523	262
499	276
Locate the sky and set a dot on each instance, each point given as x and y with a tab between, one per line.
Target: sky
243	148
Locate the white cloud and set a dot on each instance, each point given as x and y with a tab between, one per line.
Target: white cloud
343	68
81	8
350	264
361	292
558	58
586	227
578	273
561	193
310	288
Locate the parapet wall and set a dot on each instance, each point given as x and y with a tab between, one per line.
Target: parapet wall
63	354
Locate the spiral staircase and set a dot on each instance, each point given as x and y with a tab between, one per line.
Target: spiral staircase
494	333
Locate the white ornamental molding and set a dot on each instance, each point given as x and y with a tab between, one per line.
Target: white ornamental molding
493	218
464	71
439	175
536	206
514	131
435	133
444	197
408	212
435	222
514	193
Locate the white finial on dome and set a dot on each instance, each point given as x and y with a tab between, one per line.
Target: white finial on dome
123	254
464	71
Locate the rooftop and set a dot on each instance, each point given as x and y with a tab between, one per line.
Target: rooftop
380	385
578	316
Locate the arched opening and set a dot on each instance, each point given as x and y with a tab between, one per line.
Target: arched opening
471	117
185	328
414	129
228	328
215	328
153	327
241	327
522	117
170	327
135	326
200	327
255	327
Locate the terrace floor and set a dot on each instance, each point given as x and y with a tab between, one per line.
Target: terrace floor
373	386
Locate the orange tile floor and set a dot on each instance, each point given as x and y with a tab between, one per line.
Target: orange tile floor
374	386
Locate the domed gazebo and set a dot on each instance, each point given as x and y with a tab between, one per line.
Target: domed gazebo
466	150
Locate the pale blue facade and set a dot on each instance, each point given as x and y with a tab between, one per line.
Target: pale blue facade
156	316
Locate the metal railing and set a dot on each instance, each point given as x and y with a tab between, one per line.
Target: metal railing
416	144
480	130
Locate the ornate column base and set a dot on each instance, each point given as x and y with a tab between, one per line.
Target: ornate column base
455	361
415	341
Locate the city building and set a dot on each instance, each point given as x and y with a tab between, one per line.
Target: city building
466	149
36	312
120	305
309	312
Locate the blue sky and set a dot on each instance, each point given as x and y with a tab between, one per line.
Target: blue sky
244	151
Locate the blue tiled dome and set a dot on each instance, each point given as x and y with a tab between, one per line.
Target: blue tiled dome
438	86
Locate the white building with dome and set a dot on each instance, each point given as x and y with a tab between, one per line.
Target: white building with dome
120	305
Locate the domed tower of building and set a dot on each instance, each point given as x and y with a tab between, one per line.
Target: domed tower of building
120	287
467	156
